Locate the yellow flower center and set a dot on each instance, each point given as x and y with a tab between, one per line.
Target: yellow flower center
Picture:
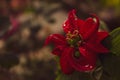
74	39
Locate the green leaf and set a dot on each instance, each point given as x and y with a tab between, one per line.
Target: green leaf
113	41
97	73
111	67
111	62
108	68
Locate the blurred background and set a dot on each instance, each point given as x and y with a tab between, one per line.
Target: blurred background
22	55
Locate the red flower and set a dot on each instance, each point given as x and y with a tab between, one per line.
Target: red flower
79	48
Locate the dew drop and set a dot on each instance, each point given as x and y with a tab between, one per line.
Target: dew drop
87	65
91	66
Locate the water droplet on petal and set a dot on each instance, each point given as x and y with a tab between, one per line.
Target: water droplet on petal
87	65
91	66
64	25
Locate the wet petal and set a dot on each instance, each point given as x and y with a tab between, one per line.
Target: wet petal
72	23
64	63
88	55
97	47
89	28
97	38
84	63
58	50
67	27
80	24
101	36
57	39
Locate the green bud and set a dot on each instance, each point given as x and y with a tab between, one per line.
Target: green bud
77	54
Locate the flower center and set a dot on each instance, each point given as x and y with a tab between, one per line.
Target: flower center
74	39
76	55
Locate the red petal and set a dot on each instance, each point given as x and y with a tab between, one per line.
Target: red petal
72	23
97	38
84	63
65	66
72	18
67	27
90	56
57	39
58	50
101	36
80	24
89	28
96	47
